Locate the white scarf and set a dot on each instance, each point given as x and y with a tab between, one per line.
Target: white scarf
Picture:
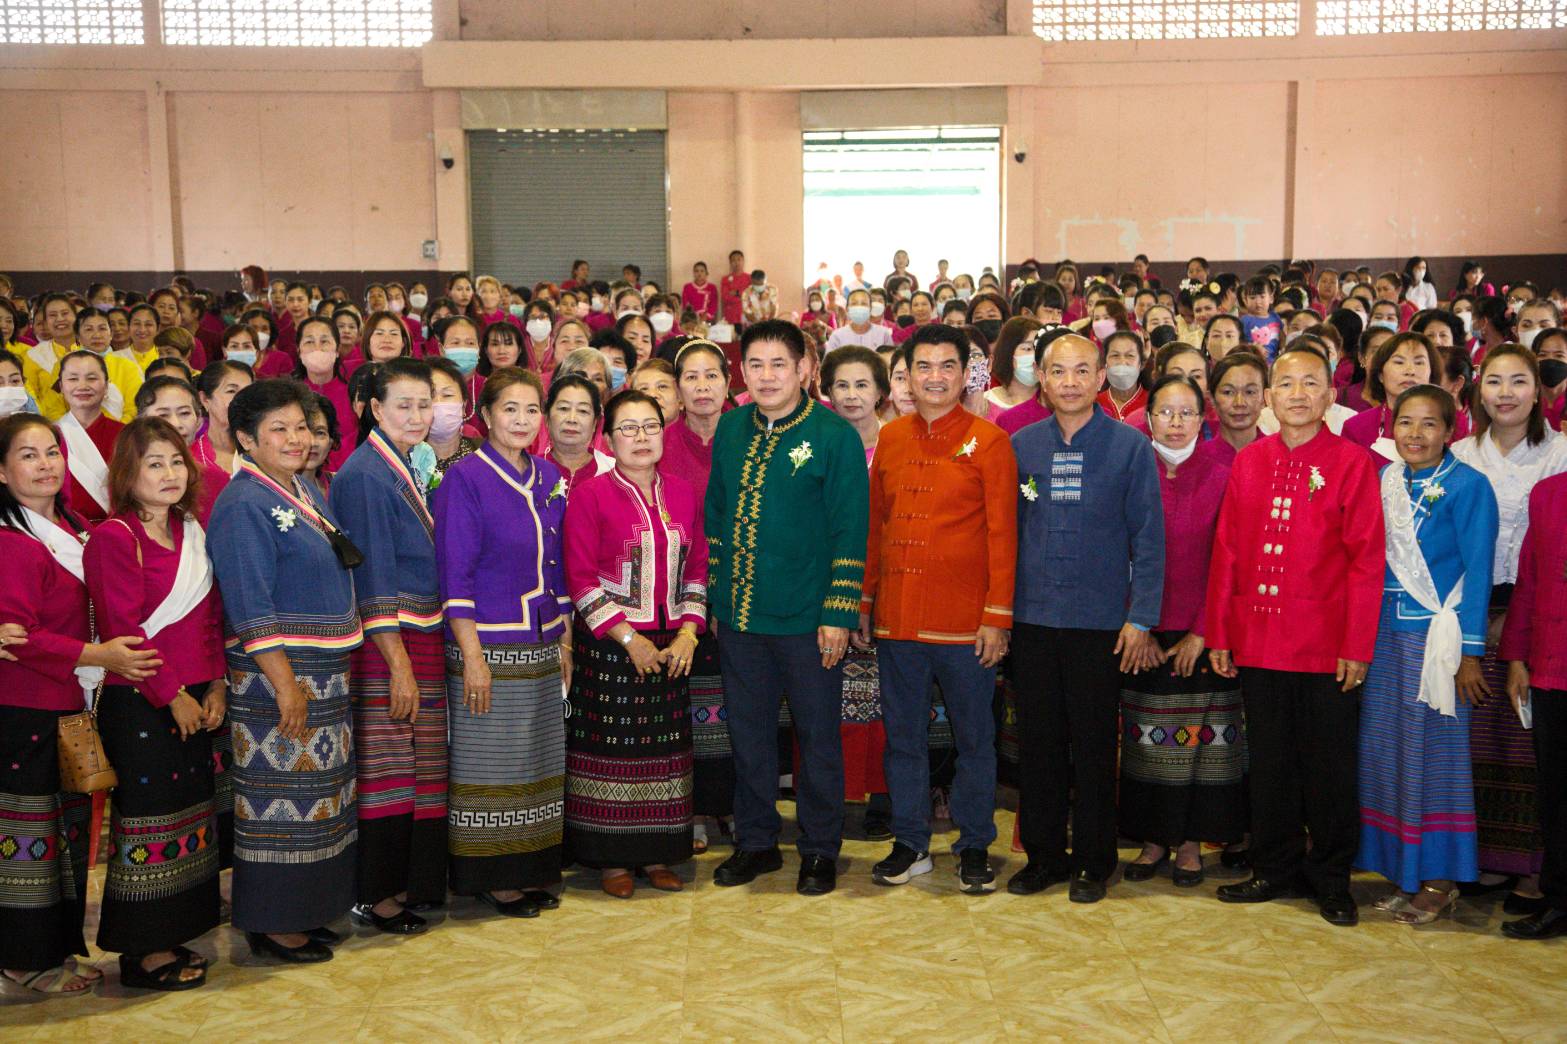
42	355
1444	635
87	465
192	581
67	553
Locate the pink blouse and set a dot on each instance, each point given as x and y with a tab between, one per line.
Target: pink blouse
686	456
1191	513
1536	627
51	604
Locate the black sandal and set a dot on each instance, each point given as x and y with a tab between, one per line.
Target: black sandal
165	978
195	959
523	907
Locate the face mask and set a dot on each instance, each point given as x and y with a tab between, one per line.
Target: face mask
859	314
538	329
1103	328
1383	324
1513	306
1160	336
878	309
580	310
465	358
418	300
1418	275
263	338
323	359
663	322
104	307
445	420
599	304
241	355
1345	288
904	295
518	310
617	378
964	293
978	375
991	328
315	302
13	399
905	320
632	310
1527	337
1552	372
1130	301
395	307
1174	457
1023	370
1123	377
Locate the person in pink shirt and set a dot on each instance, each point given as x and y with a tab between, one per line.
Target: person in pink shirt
1238	380
732	288
349	329
580	276
385	338
699	295
493	305
1404	361
242	345
321	368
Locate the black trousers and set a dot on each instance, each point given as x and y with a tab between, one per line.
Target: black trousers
1550	757
1302	731
1068	686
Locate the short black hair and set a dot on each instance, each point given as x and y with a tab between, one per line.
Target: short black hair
930	334
255	401
147	394
781	330
574	380
629	397
1170	380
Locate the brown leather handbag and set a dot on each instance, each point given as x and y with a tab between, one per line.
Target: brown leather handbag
84	765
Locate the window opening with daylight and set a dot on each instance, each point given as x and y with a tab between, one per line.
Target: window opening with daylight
71	21
933	191
1361	17
297	23
1074	20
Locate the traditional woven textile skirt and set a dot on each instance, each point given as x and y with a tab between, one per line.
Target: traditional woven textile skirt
401	769
1182	755
43	846
161	882
713	764
1417	815
628	758
508	771
1502	757
295	820
863	734
221	742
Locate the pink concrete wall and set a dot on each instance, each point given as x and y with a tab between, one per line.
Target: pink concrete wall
77	179
304	180
702	186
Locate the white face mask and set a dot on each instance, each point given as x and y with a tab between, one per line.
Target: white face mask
663	322
878	309
418	300
859	313
1467	318
538	329
395	307
1527	337
1023	370
263	338
599	304
1122	377
1175	457
13	399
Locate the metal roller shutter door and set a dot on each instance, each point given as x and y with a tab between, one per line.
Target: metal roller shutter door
541	199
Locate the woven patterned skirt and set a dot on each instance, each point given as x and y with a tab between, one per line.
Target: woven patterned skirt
221	742
161	884
713	759
43	846
401	767
508	771
295	821
1182	755
628	758
1417	820
1502	758
863	734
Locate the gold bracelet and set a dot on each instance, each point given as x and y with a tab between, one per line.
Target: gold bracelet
689	630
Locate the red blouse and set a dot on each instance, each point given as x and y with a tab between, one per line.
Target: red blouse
51	604
129	575
103	432
1536	628
686	456
1191	511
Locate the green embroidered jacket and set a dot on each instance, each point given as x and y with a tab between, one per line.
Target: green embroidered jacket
786	518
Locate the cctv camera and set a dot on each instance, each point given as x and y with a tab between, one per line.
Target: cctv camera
1020	155
447	160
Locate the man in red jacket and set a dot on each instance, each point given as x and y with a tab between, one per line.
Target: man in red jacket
1294	593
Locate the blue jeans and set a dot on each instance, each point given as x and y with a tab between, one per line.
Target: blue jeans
758	670
969	691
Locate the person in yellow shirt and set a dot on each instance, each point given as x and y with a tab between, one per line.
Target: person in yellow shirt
91	332
54	324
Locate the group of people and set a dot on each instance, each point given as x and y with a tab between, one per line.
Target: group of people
375	606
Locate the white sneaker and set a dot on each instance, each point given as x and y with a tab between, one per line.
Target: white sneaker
901	866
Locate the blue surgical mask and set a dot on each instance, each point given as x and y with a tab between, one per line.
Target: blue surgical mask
467	359
617	378
241	355
518	310
964	293
1383	324
1023	370
859	313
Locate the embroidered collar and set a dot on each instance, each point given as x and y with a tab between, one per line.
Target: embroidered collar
944	424
412	491
522	483
299	499
807	404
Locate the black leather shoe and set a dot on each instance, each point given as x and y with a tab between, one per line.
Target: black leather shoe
1033	878
325	936
520	907
743	867
542	899
1258	890
404	922
818	875
1339	909
1237	860
1145	871
1086	888
1547	924
1186	878
264	945
1522	905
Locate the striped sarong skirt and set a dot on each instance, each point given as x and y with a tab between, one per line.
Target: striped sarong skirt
713	759
1501	753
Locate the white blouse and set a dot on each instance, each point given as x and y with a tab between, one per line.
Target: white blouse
1513	477
1421	295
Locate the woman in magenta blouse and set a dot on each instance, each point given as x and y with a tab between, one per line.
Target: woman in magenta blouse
636	567
1402	362
1182	738
149	578
322	370
42	679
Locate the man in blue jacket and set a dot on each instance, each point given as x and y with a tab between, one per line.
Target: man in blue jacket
1090	577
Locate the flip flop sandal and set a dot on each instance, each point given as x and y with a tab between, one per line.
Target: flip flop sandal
90	972
165	978
699	838
52	982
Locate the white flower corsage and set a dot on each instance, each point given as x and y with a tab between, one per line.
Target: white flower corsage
800	455
1315	482
1433	493
286	518
559	490
1030	489
967	449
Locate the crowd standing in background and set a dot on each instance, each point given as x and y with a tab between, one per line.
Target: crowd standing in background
452	587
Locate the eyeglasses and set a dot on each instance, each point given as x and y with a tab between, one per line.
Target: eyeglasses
1167	414
629	429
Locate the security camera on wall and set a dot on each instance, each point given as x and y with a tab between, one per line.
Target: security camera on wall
1020	155
448	161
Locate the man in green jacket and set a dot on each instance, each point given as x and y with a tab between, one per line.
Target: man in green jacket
786	516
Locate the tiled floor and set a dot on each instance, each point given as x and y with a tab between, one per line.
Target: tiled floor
865	964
